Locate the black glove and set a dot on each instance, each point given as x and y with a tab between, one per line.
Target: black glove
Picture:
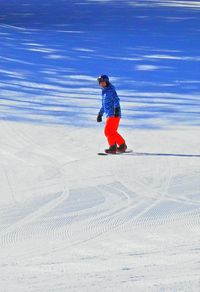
117	112
99	118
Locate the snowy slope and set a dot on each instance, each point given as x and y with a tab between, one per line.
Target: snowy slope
71	220
75	221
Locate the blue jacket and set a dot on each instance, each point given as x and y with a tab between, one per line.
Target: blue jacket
110	101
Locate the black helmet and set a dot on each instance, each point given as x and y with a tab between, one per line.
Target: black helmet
103	78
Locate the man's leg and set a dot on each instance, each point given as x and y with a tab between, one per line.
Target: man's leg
111	133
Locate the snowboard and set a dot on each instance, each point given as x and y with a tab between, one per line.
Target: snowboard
118	153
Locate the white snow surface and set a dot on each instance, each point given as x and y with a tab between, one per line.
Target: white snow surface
75	221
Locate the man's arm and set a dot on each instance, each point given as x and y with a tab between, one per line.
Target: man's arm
116	100
116	105
101	112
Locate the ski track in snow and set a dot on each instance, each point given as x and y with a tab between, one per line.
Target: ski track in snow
71	220
129	213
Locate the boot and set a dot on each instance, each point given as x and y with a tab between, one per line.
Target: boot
112	149
122	148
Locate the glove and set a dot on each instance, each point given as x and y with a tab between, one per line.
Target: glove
99	118
117	112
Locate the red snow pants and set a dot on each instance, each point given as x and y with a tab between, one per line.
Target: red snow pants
111	133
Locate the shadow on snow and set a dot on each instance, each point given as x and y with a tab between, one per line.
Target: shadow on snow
51	55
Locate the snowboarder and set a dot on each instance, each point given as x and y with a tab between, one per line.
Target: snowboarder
111	108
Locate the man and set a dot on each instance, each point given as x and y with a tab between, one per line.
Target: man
111	108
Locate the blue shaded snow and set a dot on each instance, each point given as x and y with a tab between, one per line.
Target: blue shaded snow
52	51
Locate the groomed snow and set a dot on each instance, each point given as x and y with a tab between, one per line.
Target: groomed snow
75	221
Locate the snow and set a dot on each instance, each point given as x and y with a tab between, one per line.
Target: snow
71	220
74	220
